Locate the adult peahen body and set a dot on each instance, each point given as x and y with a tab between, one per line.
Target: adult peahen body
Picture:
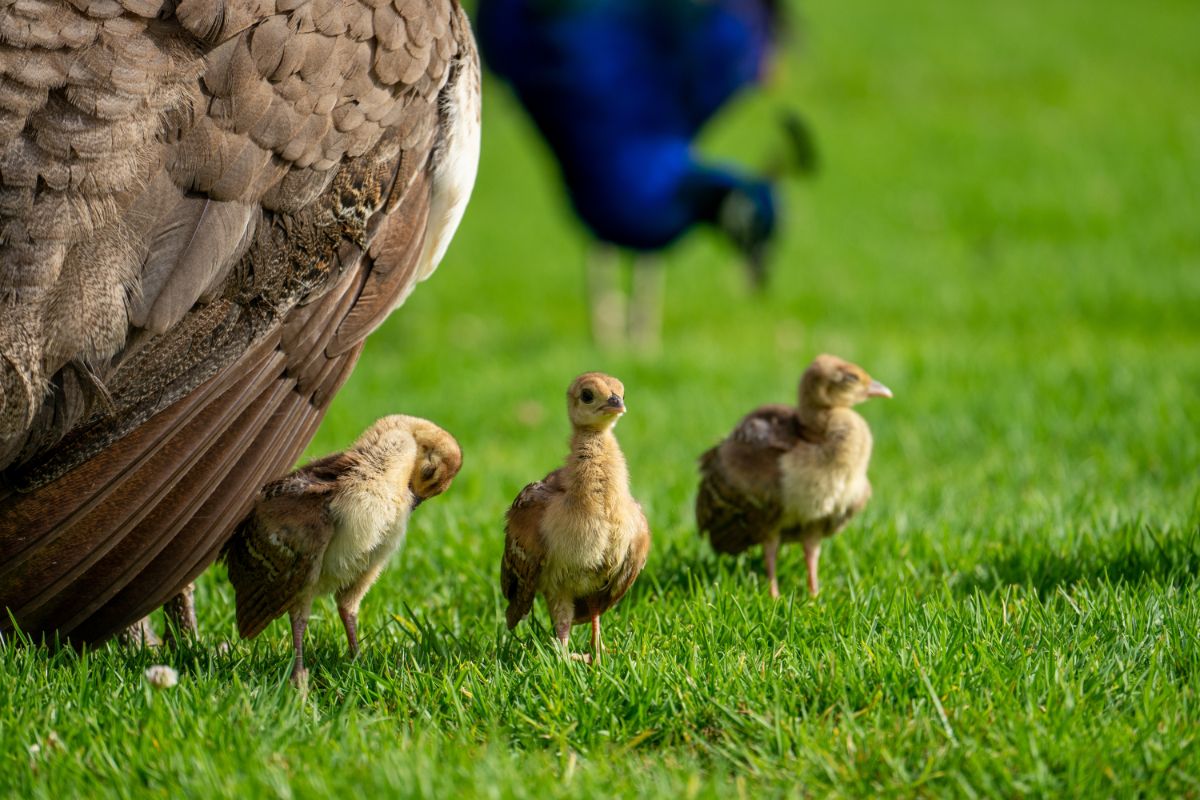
205	207
619	90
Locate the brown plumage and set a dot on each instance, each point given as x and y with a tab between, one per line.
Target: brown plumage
331	526
791	474
205	207
577	537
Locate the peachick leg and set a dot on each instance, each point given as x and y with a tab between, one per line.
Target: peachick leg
348	601
562	630
770	550
299	619
597	645
350	623
812	555
563	615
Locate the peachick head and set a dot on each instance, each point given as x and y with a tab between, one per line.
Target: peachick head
832	382
595	401
439	458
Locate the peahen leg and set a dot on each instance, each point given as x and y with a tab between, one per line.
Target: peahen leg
140	633
180	613
299	619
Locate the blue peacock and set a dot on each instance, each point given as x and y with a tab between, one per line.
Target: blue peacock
619	89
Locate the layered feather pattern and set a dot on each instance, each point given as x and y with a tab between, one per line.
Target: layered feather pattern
195	197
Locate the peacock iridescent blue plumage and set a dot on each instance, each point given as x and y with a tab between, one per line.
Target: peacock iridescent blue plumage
620	89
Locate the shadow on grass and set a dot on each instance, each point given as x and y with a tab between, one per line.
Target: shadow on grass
267	659
686	568
1129	554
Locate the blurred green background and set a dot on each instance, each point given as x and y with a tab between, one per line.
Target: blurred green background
1006	231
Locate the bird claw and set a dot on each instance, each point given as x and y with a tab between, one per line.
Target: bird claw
586	658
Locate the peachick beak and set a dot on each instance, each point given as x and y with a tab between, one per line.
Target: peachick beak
417	500
615	403
877	389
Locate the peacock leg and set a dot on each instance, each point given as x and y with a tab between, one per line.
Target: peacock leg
605	296
646	304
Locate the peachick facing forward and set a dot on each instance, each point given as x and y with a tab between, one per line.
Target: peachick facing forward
331	526
791	474
577	537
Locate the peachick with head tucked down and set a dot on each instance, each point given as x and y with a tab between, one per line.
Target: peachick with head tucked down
332	525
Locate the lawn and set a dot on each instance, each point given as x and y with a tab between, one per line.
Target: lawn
1006	231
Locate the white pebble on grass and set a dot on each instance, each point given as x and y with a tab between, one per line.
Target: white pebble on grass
161	676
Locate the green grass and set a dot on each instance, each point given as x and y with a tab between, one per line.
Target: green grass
1007	232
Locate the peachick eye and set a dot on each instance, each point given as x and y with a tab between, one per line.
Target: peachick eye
587	396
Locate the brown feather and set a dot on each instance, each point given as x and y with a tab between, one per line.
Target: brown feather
739	503
396	262
791	474
269	455
66	561
125	479
524	552
192	252
170	513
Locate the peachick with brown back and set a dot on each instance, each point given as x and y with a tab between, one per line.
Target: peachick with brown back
577	537
791	473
